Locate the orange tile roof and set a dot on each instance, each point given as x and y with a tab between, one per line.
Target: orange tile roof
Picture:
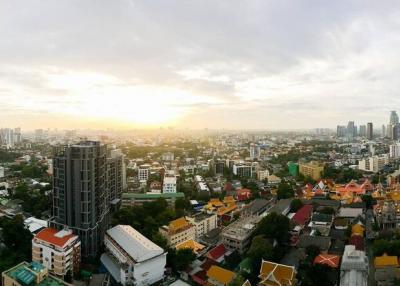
227	209
178	224
385	260
276	274
328	259
192	244
48	235
215	202
357	229
229	199
220	275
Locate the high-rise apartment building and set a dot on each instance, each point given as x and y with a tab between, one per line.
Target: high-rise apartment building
394	151
116	174
393	126
370	131
341	131
80	195
363	131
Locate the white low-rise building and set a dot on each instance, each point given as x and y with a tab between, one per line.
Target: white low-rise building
169	184
58	251
131	258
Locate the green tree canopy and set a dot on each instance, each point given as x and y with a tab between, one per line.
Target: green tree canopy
274	226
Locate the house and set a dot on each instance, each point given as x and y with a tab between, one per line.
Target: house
354	268
196	247
303	215
282	207
257	207
273	274
218	253
330	260
131	258
387	268
219	276
323	242
321	223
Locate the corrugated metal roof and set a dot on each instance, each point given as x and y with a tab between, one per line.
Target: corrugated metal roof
139	247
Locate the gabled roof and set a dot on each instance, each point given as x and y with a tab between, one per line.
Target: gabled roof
303	214
328	259
191	244
357	241
220	275
320	217
50	235
217	252
276	273
178	224
137	246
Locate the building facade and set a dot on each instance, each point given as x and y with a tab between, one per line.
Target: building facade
131	258
178	231
58	251
312	169
80	196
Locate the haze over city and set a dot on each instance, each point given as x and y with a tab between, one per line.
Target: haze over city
206	64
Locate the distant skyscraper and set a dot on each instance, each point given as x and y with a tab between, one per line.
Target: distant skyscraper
383	131
363	131
351	130
255	151
370	131
394	118
80	197
393	127
341	131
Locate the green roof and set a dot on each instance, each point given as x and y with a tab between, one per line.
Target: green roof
25	273
137	196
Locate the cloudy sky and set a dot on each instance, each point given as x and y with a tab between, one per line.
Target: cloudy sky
196	64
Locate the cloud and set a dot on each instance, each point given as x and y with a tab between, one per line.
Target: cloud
224	64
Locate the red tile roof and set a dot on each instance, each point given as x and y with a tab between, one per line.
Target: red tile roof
48	235
328	259
303	214
217	252
357	241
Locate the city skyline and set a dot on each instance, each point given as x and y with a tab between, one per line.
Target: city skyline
146	64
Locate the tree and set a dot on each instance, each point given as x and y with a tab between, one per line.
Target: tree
312	251
180	260
274	226
311	275
260	248
327	210
285	191
295	205
368	200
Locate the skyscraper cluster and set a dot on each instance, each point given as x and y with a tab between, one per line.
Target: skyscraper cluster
350	132
87	180
10	137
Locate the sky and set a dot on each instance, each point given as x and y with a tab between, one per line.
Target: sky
286	64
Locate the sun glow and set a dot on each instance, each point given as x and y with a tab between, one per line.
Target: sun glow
103	97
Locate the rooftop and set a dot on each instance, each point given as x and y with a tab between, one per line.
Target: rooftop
55	237
136	196
27	274
220	275
134	243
